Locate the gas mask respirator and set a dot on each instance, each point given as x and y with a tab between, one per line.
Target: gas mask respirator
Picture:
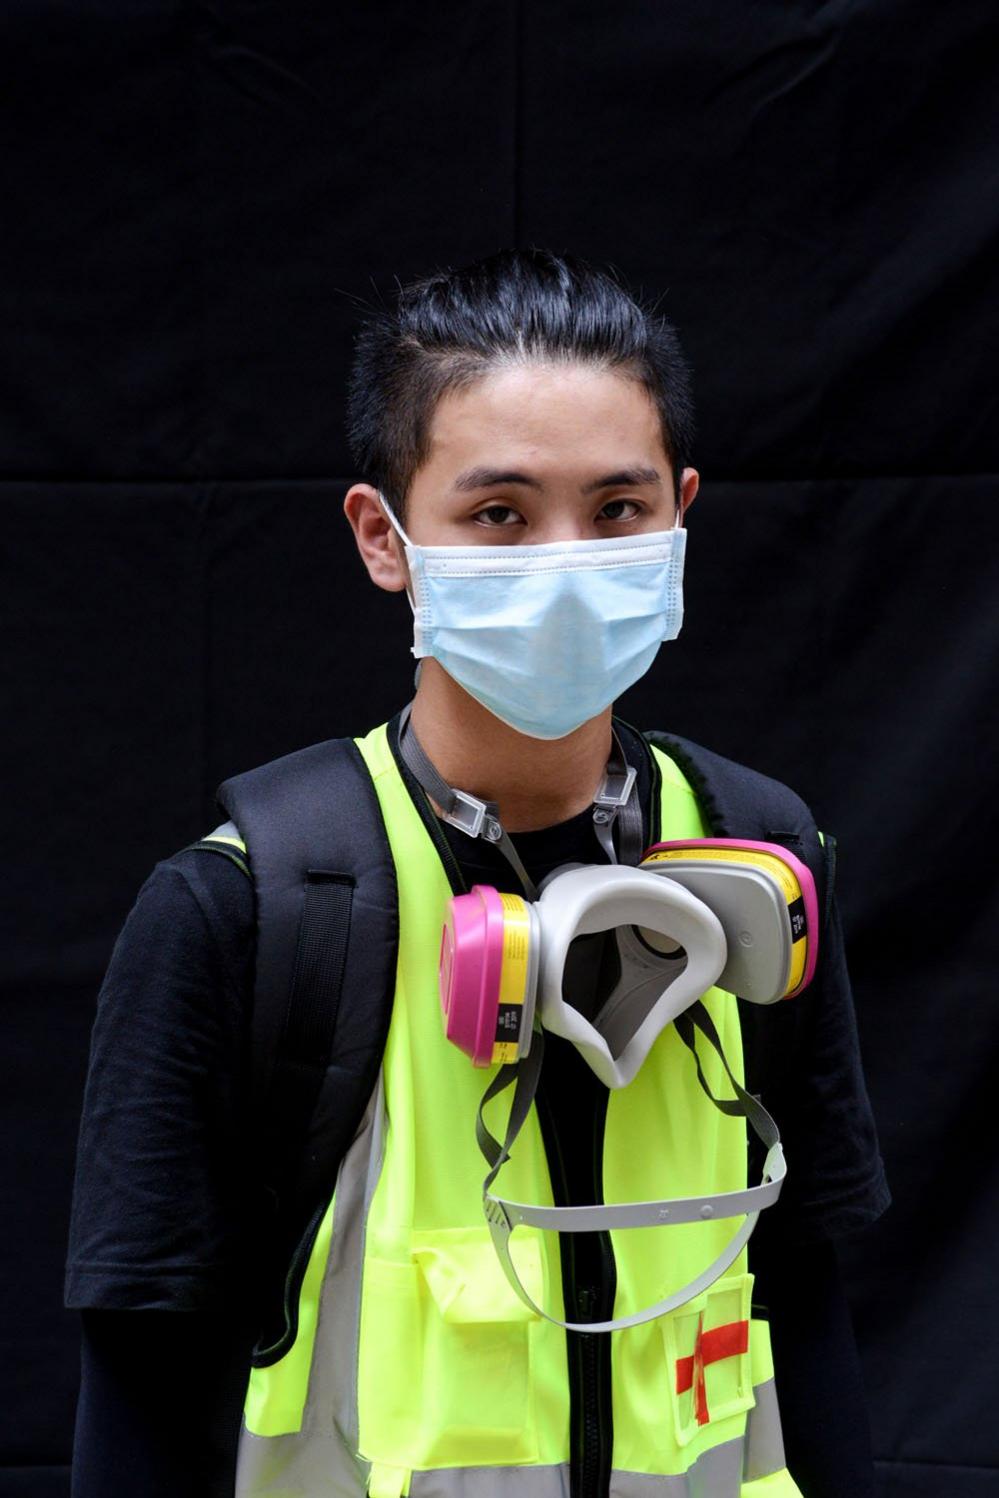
607	956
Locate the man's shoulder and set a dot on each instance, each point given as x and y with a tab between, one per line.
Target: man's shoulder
279	797
711	773
307	760
194	897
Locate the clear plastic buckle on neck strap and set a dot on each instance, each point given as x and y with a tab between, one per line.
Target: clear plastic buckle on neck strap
613	794
616	788
473	816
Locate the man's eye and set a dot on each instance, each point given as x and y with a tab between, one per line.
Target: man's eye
620	509
498	515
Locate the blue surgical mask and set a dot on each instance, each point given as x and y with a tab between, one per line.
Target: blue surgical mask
547	636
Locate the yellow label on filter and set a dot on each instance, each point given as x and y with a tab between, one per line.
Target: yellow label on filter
513	971
505	1051
516	936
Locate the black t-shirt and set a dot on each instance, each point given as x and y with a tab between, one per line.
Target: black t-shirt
163	1201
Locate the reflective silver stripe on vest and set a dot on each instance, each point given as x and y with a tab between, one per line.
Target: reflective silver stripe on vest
763	1441
717	1473
320	1460
491	1482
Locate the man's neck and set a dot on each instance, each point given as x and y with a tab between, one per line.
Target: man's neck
534	782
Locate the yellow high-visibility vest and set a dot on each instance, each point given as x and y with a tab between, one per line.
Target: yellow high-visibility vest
416	1369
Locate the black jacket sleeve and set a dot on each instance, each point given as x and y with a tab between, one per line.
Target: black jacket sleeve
161	1209
820	1392
161	1395
803	1058
162	1212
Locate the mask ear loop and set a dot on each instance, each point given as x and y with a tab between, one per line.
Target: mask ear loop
409	548
390	515
407	543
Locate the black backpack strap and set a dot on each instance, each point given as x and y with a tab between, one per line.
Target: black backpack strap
210	845
739	802
327	942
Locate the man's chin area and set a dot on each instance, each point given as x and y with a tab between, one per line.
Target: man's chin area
445	696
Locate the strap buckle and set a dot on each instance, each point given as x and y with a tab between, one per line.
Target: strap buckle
496	1214
616	788
473	816
614	793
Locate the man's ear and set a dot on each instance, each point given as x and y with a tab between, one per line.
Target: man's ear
377	541
690	481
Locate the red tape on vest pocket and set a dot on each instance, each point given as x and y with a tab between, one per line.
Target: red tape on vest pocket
711	1347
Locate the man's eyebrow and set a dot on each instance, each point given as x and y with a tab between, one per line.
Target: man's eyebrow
485	478
625	478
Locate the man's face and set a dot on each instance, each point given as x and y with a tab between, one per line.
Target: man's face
540	453
535	453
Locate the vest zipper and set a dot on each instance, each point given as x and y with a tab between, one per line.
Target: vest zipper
588	1361
595	1455
587	1356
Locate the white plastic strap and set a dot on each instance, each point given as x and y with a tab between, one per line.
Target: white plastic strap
504	1216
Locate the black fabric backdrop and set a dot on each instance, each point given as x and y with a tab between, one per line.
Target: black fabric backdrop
195	196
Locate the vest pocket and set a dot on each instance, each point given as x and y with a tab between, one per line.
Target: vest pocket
708	1357
445	1366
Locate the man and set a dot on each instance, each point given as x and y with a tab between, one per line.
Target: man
525	402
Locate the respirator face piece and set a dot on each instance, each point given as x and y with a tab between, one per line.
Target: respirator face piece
609	955
504	963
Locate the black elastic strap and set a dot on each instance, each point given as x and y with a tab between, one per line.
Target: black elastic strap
619	780
524	1076
470	814
631	827
480	818
744	1104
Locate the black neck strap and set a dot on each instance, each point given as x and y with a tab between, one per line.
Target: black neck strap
616	798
